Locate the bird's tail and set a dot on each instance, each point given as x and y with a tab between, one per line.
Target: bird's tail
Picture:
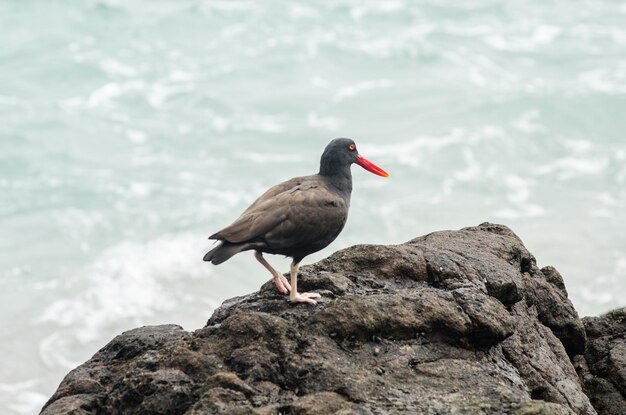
223	252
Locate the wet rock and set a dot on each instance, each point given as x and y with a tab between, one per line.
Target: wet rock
454	322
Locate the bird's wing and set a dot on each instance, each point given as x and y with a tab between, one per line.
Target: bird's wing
262	215
313	214
276	190
251	225
290	213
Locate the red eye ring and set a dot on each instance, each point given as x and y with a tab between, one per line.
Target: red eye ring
351	147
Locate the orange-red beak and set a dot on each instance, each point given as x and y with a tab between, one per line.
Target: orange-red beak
369	166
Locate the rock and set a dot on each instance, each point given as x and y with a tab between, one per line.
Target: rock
603	368
455	322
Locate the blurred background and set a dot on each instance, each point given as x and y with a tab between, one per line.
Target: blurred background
131	130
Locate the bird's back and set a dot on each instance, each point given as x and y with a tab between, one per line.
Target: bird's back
296	217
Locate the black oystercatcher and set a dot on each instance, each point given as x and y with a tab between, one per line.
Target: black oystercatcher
296	218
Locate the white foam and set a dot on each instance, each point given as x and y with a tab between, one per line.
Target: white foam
265	158
79	224
114	67
527	122
17	271
246	122
186	176
606	80
319	82
468	174
301	11
129	281
413	151
136	136
406	41
262	123
607	205
472	170
230	31
600	213
22	398
519	189
229	5
18	386
605	291
28	402
71	104
408	153
51	351
519	195
220	124
184	128
544	34
355	89
149	159
571	167
379	7
140	189
104	95
579	146
325	123
525	211
181	76
15	102
607	199
541	35
160	92
621	175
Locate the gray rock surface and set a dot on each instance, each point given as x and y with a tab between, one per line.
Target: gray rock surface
603	369
454	322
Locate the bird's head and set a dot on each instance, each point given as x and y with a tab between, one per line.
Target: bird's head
341	153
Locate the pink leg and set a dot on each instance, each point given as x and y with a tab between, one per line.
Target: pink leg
295	296
282	284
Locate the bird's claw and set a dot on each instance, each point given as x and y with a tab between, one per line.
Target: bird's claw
282	284
304	298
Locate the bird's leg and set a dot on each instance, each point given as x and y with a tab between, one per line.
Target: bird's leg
295	296
282	284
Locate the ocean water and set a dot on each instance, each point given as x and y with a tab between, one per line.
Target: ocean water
132	130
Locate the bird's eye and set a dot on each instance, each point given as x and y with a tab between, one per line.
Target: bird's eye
351	147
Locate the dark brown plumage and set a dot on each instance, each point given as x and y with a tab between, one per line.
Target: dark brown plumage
296	218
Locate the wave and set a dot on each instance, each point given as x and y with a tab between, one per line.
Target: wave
129	282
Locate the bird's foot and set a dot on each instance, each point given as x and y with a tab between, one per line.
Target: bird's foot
282	284
304	297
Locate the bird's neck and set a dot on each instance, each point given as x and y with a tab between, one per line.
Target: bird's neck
339	178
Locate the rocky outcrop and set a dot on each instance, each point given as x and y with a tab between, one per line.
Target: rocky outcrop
603	368
455	322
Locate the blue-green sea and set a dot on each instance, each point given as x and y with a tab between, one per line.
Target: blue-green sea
131	130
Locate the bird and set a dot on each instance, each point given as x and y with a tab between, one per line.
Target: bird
296	218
